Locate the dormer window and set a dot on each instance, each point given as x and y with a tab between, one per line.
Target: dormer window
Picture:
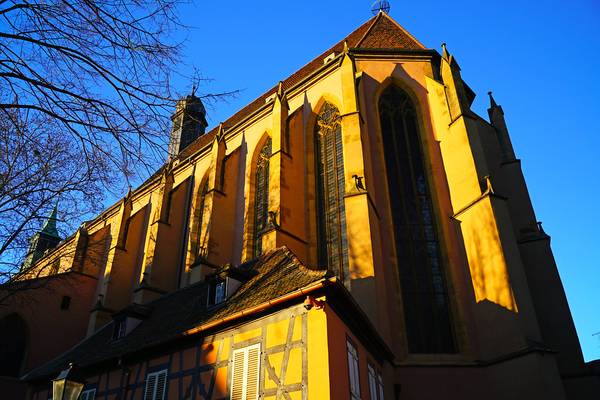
128	319
120	328
217	291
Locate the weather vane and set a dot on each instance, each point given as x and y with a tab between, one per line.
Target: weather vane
379	6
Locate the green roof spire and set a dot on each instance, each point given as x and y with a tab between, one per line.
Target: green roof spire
49	227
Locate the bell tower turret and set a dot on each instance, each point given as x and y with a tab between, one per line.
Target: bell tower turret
189	123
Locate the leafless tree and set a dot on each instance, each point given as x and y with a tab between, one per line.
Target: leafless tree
85	96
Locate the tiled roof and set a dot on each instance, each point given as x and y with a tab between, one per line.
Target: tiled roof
380	32
275	274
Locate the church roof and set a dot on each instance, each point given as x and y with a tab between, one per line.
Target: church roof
174	315
379	32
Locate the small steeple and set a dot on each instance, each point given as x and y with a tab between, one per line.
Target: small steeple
45	239
189	123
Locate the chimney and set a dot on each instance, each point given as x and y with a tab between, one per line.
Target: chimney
189	123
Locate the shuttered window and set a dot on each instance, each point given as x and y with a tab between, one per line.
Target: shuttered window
330	187
89	394
419	261
245	372
261	197
353	371
156	385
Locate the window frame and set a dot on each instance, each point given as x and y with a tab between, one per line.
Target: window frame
353	360
260	213
415	228
85	395
330	192
375	382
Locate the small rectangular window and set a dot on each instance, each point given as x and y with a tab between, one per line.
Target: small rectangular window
156	385
245	372
375	384
89	394
353	371
65	303
373	392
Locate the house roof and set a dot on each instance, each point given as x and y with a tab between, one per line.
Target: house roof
379	32
274	275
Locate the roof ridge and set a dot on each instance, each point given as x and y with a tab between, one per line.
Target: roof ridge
404	30
375	19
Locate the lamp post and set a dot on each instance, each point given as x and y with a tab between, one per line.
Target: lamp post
67	385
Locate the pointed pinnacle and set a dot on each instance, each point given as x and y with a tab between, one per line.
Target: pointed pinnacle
445	54
345	46
280	91
492	101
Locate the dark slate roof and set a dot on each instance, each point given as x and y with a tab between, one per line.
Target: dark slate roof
275	274
380	32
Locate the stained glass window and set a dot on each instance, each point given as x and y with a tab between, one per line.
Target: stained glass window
422	280
261	197
331	215
200	246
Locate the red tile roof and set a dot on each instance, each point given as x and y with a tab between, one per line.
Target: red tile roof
380	32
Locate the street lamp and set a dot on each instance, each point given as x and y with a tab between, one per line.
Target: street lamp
67	385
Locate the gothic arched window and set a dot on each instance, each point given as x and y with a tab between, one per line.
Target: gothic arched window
201	248
331	214
261	197
424	292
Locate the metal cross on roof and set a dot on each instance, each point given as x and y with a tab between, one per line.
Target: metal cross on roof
380	6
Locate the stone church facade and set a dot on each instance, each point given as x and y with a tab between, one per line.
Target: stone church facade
357	232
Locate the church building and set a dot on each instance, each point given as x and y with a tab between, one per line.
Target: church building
356	232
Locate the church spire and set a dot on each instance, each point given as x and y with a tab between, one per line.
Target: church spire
45	239
49	227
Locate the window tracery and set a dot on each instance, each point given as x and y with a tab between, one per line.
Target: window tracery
422	280
331	214
261	197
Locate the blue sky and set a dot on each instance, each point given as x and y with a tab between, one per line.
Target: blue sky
540	58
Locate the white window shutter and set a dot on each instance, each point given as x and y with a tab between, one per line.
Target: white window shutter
237	375
245	373
161	385
150	387
156	385
253	372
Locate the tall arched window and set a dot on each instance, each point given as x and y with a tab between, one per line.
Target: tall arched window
424	292
13	345
201	248
261	197
331	214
